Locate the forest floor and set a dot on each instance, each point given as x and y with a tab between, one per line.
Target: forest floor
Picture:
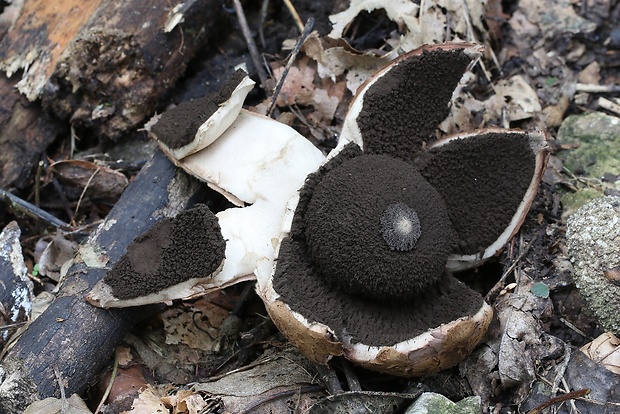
546	65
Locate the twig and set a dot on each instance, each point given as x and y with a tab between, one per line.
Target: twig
261	21
561	370
291	9
284	394
33	211
37	184
294	52
90	179
609	105
502	280
555	400
352	380
247	34
108	389
472	37
61	385
574	328
594	88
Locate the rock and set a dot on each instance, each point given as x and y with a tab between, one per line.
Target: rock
594	155
593	241
432	403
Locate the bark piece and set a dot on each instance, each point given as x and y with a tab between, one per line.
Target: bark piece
72	335
104	63
15	287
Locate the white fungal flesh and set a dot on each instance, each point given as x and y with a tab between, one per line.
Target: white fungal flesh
263	163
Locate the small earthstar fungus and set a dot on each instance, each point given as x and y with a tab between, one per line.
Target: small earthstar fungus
366	238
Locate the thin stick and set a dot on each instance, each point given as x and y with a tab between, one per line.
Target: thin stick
294	52
594	88
90	179
555	400
61	384
33	211
609	105
293	11
502	280
472	37
108	389
247	34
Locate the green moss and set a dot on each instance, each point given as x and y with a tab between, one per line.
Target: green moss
572	201
592	143
598	138
432	403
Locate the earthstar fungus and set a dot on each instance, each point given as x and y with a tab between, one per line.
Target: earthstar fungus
363	270
353	253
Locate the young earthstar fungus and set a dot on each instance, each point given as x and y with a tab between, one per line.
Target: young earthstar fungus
353	254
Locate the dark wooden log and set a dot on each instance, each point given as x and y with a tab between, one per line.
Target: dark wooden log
25	133
105	64
71	336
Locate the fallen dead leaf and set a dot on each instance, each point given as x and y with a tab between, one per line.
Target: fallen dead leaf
604	350
280	380
51	252
100	181
148	401
72	405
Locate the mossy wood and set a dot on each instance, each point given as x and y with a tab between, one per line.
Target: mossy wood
71	335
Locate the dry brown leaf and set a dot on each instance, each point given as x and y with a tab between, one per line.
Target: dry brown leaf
513	97
101	181
186	402
298	87
335	58
604	350
72	405
402	12
51	252
148	401
591	74
127	383
268	387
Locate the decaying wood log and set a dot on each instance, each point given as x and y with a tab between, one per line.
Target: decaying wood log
71	336
15	287
103	63
25	133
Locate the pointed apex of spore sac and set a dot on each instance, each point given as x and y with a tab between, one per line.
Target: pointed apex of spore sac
400	227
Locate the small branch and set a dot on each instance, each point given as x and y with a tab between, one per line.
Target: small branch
291	9
294	52
609	105
33	211
552	401
247	34
595	88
